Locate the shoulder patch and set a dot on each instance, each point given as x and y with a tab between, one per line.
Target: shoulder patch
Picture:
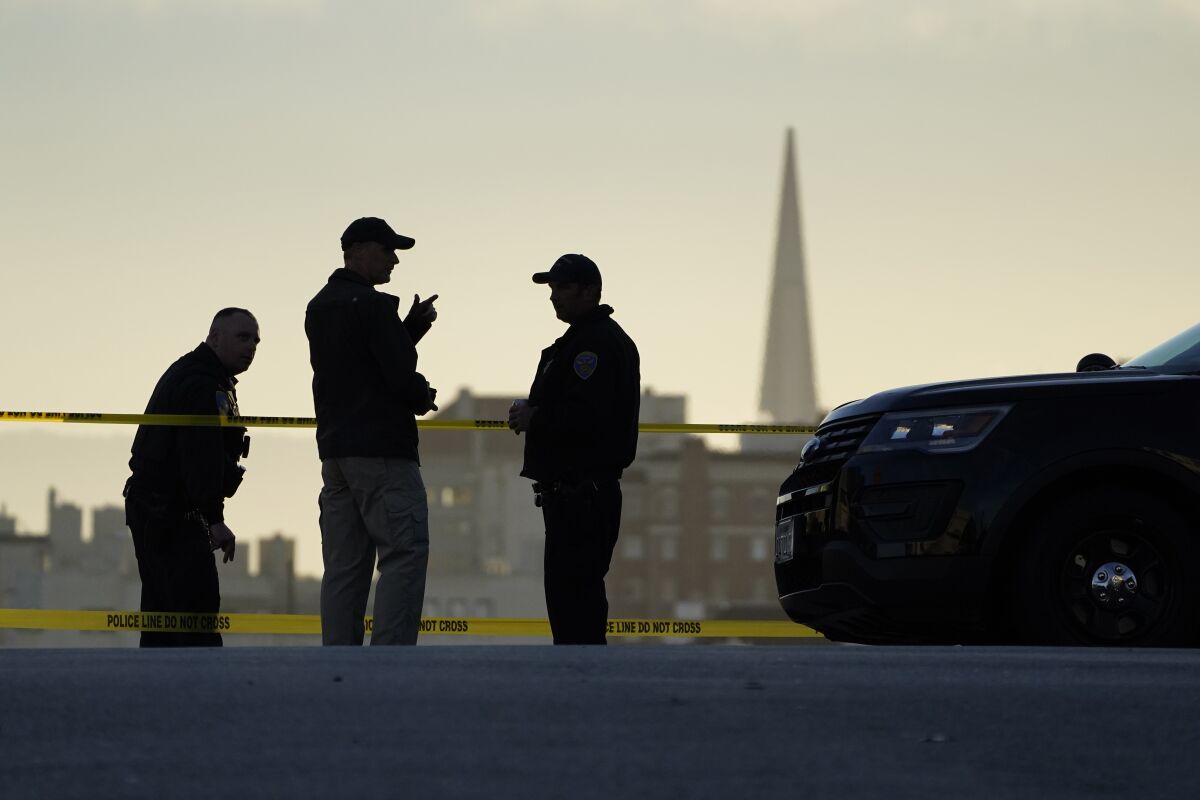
585	364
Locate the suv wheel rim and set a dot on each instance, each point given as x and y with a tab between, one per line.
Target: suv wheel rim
1115	586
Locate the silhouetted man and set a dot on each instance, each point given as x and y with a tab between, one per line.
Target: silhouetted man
367	393
581	420
175	498
1095	362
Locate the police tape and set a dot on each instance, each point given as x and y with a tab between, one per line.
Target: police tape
212	420
310	625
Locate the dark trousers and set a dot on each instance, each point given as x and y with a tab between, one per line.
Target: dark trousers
581	530
177	569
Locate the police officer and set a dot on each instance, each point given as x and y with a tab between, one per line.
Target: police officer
174	500
581	420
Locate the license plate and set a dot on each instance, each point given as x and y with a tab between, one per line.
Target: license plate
785	538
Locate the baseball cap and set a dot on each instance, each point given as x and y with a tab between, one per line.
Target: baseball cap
571	268
373	229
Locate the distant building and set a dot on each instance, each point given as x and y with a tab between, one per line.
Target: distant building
8	523
110	544
277	566
22	564
65	529
481	513
788	394
697	534
22	568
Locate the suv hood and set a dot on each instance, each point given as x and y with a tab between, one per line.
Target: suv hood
985	391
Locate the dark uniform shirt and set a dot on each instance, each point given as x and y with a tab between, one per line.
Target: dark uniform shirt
587	391
365	380
193	468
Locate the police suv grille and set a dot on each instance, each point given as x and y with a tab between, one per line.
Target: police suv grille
803	502
839	441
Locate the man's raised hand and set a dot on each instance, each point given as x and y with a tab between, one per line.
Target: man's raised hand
423	309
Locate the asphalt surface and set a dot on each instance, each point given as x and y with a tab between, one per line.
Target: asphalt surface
626	721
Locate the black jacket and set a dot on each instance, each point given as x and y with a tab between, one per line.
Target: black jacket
587	391
366	388
192	468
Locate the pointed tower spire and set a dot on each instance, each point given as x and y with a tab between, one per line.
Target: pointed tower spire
789	392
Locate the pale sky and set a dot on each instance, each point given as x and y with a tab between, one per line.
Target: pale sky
991	187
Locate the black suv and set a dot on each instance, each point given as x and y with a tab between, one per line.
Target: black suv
1054	509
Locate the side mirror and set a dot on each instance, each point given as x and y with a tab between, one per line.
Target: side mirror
1094	362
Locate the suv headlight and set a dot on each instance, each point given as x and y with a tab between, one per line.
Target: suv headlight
951	430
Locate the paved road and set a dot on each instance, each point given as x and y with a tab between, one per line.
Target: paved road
656	721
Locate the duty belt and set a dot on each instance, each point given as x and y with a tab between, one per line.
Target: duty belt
545	491
159	501
167	505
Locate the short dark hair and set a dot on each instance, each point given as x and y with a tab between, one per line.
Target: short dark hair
229	312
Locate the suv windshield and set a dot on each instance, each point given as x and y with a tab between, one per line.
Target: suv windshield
1177	355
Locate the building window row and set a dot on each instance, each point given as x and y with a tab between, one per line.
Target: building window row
481	607
724	503
633	548
449	496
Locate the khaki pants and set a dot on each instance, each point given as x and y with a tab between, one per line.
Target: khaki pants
373	506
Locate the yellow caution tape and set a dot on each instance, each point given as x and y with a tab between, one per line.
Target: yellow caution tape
310	624
189	420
